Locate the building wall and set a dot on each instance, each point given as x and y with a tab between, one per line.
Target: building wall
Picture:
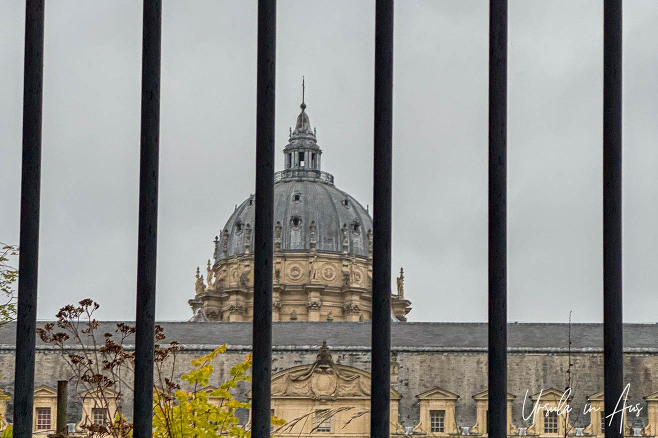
414	372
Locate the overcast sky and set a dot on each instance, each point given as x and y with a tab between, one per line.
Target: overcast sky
91	119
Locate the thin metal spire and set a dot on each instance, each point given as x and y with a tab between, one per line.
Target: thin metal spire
303	105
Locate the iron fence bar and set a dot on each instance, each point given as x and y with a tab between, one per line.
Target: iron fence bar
613	375
380	398
148	219
28	258
264	220
497	354
61	429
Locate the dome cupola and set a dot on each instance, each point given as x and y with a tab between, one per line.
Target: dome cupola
310	213
302	153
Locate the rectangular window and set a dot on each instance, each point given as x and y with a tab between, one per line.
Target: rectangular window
289	160
438	421
43	418
301	159
313	161
99	415
550	422
322	420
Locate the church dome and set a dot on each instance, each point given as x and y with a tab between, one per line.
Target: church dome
322	248
300	203
309	211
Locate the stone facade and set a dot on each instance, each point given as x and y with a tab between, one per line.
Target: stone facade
306	287
435	367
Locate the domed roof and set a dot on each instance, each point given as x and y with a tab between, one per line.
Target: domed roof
297	204
304	197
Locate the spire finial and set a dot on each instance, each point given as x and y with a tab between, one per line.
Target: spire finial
303	105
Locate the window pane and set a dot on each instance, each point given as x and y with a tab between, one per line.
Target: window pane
43	418
99	415
437	421
550	423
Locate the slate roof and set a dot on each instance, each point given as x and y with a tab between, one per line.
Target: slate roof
408	336
321	203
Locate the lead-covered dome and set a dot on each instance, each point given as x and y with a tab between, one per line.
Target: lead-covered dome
300	204
309	211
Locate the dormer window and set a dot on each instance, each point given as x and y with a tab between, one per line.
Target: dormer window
238	227
297	197
346	202
355	227
295	221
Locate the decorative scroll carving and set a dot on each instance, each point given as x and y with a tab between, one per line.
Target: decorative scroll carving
314	305
352	308
237	308
234	275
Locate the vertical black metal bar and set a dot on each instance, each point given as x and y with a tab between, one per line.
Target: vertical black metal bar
148	219
380	398
497	219
28	259
613	375
62	401
264	221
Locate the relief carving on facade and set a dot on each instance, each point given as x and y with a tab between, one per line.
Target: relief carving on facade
314	305
328	273
338	284
322	380
295	272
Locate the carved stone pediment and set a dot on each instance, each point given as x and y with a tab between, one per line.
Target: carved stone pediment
323	380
